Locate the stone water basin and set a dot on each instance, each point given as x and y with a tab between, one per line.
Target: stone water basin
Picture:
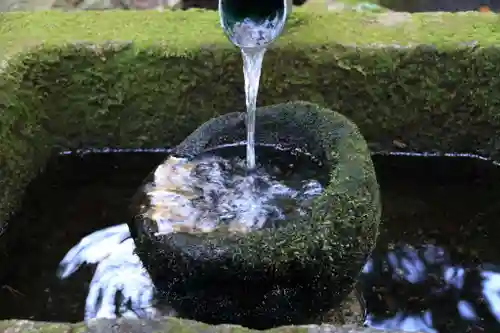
262	264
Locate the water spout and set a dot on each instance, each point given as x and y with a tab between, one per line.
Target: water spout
252	24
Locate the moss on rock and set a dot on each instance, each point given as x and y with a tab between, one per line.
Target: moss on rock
286	275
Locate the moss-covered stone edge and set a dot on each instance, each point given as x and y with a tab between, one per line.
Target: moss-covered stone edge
352	189
163	325
329	246
185	31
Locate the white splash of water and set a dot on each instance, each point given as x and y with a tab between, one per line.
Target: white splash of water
201	196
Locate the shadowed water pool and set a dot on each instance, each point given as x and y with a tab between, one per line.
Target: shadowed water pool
434	269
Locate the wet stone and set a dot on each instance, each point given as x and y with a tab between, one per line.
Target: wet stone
264	274
124	326
26	326
166	325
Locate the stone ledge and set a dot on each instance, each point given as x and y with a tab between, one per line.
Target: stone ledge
169	324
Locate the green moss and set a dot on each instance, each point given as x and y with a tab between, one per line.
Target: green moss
300	270
79	328
181	35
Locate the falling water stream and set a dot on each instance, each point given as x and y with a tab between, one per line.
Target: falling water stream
252	64
253	37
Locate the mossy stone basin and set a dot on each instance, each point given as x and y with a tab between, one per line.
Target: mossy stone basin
271	277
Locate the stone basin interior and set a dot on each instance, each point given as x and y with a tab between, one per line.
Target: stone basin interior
439	213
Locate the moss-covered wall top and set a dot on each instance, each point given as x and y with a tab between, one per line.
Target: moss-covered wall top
192	28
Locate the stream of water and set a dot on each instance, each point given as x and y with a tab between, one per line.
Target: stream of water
252	64
253	38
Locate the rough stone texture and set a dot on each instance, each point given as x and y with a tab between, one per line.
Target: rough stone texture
32	5
274	276
116	4
25	5
26	326
166	325
350	312
439	5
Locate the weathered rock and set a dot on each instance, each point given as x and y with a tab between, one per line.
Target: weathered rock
440	5
20	326
281	276
165	325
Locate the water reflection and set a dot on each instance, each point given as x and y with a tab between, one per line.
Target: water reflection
120	285
405	287
420	289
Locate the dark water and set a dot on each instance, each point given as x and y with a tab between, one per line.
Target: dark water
437	254
75	196
440	205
